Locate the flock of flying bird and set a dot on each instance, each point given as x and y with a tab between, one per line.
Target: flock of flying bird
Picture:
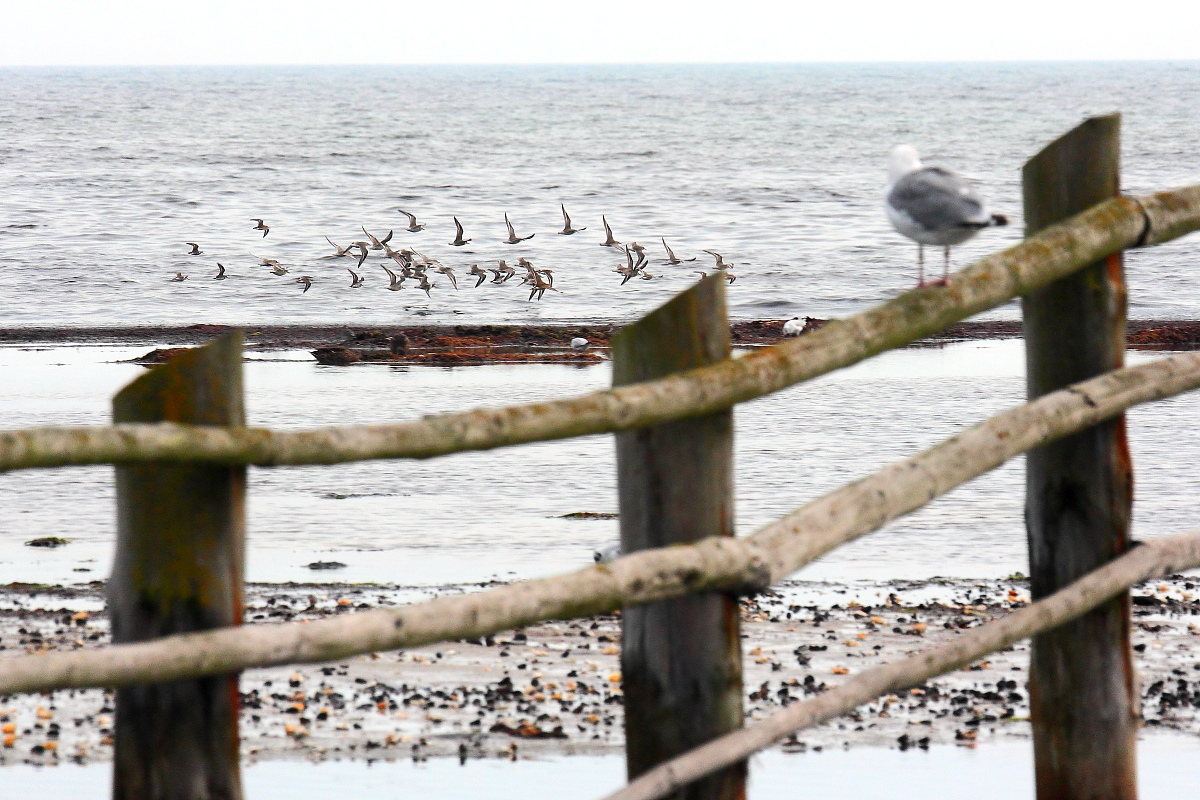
410	264
930	205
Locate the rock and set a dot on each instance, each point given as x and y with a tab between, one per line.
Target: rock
336	356
47	541
325	565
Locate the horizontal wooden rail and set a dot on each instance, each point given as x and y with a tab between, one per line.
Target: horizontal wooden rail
1149	560
1035	262
717	563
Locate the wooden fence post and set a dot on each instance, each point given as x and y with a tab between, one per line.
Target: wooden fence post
178	568
680	659
1079	490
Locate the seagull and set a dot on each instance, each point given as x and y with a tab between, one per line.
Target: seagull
179	276
356	281
395	284
671	259
512	234
479	273
261	226
306	280
220	276
195	251
721	264
413	226
932	205
609	239
341	251
793	327
567	229
459	241
579	344
279	270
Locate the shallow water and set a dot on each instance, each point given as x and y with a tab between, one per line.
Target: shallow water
476	516
1002	771
107	172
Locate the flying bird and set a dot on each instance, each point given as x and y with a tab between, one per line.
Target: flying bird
195	251
339	250
261	226
306	280
279	269
512	234
479	273
609	239
459	241
413	225
721	263
179	276
378	244
356	281
933	205
394	284
671	259
567	229
220	276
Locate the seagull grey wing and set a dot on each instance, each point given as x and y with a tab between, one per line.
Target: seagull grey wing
938	200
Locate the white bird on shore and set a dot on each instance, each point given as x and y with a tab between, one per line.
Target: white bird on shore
579	344
610	552
932	205
793	327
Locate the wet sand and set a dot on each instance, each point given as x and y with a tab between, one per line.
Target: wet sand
555	689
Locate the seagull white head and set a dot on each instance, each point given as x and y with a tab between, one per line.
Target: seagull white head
902	160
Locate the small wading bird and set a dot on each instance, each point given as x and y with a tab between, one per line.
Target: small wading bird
279	269
449	273
413	225
306	280
579	344
567	229
362	252
932	205
395	284
267	262
671	259
356	281
195	251
641	253
220	276
424	284
378	244
339	251
512	234
261	226
721	263
481	274
179	276
459	241
609	239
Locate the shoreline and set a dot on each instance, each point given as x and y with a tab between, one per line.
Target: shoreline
554	689
1142	333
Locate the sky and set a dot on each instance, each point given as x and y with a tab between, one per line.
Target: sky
153	32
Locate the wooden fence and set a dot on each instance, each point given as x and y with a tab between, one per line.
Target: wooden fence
181	448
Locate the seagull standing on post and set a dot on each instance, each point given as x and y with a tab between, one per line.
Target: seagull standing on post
932	205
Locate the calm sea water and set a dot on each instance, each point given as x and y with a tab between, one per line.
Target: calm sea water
497	514
107	172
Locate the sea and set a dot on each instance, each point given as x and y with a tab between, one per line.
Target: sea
779	168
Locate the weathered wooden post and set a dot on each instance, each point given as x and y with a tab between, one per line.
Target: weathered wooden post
1079	490
178	568
680	659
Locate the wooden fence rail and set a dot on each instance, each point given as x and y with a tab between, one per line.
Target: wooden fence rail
1053	253
175	595
726	564
1152	559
